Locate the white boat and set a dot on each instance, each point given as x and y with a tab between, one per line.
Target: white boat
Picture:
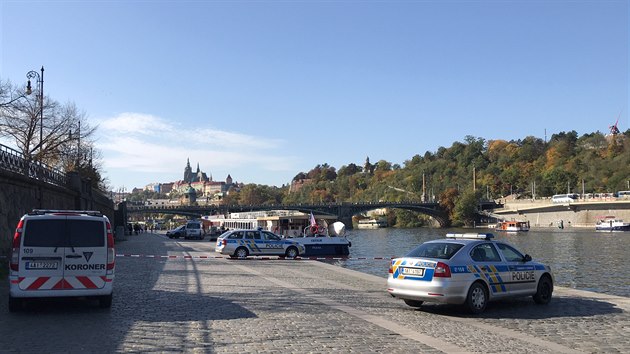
610	223
321	239
371	224
318	236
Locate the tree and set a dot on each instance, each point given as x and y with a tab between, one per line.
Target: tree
21	122
466	207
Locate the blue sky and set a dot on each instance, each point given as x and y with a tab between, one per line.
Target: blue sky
263	90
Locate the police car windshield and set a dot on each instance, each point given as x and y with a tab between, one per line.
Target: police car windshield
441	250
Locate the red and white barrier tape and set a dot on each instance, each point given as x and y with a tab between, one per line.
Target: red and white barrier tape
250	257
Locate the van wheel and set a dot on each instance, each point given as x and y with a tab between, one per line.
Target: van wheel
544	291
105	302
292	252
15	304
241	252
477	298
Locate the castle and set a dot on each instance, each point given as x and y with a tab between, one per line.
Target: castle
199	181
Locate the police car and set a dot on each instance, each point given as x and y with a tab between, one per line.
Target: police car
469	269
242	243
62	253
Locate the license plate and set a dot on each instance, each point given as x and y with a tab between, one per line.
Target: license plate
41	265
413	271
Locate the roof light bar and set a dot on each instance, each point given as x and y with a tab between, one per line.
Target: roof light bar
471	236
57	211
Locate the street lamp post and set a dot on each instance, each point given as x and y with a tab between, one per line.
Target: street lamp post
40	80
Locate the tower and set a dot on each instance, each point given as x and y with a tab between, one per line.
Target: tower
188	175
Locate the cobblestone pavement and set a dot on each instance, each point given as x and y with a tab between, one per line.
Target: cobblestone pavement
219	305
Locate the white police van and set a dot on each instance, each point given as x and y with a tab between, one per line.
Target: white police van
62	253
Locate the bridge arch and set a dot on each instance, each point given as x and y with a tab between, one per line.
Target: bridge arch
344	211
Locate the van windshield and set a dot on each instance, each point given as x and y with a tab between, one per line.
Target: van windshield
64	233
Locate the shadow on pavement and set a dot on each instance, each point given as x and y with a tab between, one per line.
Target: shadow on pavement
141	316
525	308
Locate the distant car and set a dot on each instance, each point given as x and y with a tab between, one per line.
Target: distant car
194	230
177	232
470	269
242	243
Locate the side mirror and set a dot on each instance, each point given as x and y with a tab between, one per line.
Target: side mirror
527	258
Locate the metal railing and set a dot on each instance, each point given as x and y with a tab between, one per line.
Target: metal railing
13	161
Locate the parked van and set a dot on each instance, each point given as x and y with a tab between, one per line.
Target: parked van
194	230
565	198
62	253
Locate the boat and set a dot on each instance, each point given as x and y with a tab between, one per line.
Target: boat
371	224
512	226
611	223
321	239
323	236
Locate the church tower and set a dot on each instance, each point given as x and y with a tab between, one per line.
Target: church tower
188	175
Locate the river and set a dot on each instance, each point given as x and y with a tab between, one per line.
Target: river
579	258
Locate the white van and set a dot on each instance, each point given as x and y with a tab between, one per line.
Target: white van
194	230
62	253
564	198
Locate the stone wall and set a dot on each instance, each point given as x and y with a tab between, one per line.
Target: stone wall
20	194
572	215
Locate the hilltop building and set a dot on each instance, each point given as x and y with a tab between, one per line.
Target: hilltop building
203	184
206	190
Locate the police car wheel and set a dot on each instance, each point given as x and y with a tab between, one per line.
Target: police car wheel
477	298
413	303
105	302
544	291
292	252
15	304
241	252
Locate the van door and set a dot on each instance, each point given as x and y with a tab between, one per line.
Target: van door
42	254
85	255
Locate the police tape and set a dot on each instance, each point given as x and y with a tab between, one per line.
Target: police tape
264	258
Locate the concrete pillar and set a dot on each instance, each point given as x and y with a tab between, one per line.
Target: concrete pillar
346	220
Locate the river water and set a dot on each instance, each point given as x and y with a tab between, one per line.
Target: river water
579	258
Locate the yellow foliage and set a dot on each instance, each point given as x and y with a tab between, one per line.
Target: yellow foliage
553	158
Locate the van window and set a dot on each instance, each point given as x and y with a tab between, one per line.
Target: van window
64	233
86	233
44	233
193	225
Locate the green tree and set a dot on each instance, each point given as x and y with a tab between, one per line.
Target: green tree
466	208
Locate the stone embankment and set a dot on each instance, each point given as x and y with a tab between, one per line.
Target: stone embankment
582	213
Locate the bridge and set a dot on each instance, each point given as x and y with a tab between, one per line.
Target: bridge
343	211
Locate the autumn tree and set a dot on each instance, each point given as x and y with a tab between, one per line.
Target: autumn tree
61	127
